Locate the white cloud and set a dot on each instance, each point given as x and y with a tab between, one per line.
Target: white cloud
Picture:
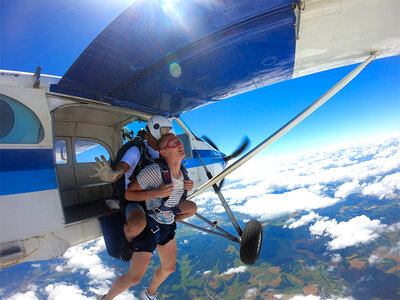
240	269
308	297
250	294
270	206
388	187
347	189
373	259
395	250
304	220
61	291
356	231
269	188
312	297
85	257
336	257
59	269
99	245
206	273
28	295
24	296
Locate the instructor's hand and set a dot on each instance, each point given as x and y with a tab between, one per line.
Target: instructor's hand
104	171
165	190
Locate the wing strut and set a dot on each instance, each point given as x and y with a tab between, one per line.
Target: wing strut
222	198
288	126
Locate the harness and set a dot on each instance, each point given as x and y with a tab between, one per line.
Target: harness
145	159
166	177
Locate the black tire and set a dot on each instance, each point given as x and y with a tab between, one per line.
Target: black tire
250	244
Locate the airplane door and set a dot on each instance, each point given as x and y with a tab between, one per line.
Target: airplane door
65	171
30	204
85	150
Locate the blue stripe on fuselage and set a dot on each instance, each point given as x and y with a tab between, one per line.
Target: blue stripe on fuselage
26	170
209	157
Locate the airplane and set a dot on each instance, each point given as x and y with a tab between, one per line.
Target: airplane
194	54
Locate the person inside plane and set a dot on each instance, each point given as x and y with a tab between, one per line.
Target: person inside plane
165	178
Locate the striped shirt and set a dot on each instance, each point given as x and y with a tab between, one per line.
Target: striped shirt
150	178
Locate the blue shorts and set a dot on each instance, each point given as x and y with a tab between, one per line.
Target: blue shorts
147	241
132	206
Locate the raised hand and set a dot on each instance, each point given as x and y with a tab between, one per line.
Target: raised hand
104	171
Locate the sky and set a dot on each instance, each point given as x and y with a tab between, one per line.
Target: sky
52	34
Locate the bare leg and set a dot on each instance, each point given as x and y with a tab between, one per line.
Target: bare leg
167	255
138	267
188	209
136	222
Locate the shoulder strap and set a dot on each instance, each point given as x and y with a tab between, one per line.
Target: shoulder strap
165	174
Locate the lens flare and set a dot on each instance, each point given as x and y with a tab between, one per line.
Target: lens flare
175	70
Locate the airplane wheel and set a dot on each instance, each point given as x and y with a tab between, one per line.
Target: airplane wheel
250	244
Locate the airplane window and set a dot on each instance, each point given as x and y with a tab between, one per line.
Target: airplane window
19	124
61	152
86	151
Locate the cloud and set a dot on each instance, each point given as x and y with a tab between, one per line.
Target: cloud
388	187
356	231
240	269
85	257
312	297
347	189
304	220
373	259
270	188
29	295
336	257
24	296
250	294
270	206
206	273
61	291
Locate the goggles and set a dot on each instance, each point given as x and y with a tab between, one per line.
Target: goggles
172	143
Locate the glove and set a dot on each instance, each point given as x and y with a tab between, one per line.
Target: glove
104	171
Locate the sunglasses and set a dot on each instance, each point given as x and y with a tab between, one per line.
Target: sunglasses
172	143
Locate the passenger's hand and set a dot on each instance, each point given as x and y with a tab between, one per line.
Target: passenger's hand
188	185
104	171
165	190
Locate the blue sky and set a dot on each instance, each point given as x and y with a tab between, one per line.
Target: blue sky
53	34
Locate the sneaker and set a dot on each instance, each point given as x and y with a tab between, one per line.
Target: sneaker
125	252
145	296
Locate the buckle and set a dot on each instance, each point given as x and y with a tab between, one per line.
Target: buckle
157	211
155	229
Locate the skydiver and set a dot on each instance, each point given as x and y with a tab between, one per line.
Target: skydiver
159	233
130	160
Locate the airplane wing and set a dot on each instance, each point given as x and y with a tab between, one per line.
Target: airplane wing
169	57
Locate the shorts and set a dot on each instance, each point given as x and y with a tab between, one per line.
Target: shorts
132	206
147	241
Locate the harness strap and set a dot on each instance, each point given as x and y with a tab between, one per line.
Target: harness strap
154	228
166	177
